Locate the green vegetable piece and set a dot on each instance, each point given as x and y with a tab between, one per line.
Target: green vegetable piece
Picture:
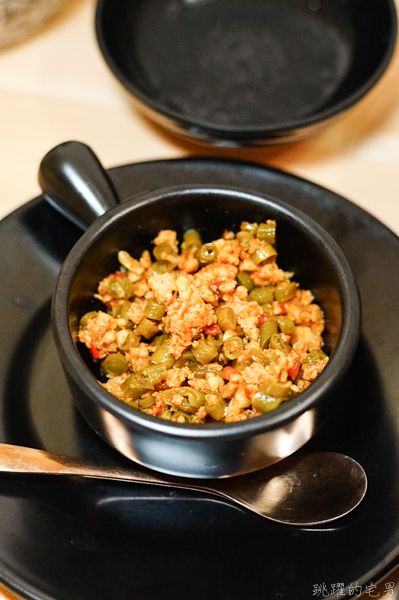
245	279
195	399
130	263
162	252
244	238
147	402
145	379
181	417
314	356
131	341
121	288
277	389
114	364
233	347
206	254
205	352
122	310
215	406
267	330
226	318
146	328
200	370
164	267
251	227
285	291
267	232
160	339
192	242
277	343
263	253
154	310
89	315
131	388
286	325
264	402
262	295
162	355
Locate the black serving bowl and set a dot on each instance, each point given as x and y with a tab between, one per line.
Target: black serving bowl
246	73
210	450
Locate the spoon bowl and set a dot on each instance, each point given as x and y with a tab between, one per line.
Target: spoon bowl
304	489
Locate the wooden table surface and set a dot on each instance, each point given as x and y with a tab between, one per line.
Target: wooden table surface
55	86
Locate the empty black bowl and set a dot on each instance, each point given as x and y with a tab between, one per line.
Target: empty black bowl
246	72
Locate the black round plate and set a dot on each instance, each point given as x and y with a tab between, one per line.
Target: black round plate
63	538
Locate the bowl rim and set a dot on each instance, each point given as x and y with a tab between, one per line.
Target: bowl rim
77	369
202	129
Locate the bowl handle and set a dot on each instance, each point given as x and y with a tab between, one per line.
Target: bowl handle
75	183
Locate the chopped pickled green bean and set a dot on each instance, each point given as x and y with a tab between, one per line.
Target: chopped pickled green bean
267	330
122	310
251	227
164	267
286	325
245	279
163	252
265	403
245	237
89	315
285	291
154	310
130	263
147	402
114	364
205	352
160	339
206	254
215	406
162	355
121	288
146	328
277	343
192	242
233	347
267	232
314	356
263	253
262	295
226	318
277	389
131	340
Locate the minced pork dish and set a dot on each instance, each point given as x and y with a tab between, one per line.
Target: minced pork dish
205	332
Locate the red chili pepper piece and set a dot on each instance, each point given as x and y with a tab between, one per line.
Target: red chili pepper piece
217	282
263	318
282	307
293	372
94	352
229	372
117	276
213	329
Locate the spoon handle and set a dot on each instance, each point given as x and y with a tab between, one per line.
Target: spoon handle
74	182
17	459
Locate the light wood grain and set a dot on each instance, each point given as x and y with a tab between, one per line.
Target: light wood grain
55	86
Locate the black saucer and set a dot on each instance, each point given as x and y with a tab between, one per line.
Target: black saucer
73	538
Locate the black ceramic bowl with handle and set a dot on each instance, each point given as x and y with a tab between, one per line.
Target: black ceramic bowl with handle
73	180
246	72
